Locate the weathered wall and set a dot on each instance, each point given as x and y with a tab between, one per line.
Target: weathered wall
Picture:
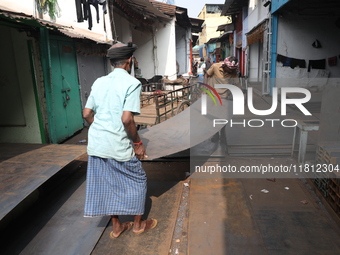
257	13
68	16
211	22
144	53
122	28
92	64
156	53
166	50
22	125
182	49
255	64
295	37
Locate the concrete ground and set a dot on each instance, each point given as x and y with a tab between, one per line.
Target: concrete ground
252	214
258	216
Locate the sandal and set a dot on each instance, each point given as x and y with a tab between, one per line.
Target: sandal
149	224
126	226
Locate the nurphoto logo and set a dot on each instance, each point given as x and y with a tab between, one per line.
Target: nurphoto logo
239	102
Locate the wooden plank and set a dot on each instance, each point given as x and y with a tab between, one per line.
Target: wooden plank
148	114
24	173
162	203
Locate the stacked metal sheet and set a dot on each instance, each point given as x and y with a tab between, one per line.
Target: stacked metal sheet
327	172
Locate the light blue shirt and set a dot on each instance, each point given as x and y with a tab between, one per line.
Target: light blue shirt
110	96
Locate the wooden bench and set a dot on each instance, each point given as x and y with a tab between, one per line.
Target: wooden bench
159	105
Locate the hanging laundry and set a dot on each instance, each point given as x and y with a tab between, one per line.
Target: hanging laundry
103	3
317	64
80	17
292	62
280	58
95	4
83	8
298	62
333	61
287	62
284	60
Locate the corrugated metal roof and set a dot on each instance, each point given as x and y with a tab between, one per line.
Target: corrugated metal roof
18	16
181	13
141	10
168	9
85	34
67	30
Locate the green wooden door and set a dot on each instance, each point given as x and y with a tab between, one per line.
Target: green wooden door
66	104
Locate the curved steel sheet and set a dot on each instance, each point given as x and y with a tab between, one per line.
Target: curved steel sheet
185	130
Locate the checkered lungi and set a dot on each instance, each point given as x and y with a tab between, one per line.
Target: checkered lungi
114	188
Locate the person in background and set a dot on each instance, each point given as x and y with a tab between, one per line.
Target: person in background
201	70
194	67
225	72
116	181
208	63
135	62
207	66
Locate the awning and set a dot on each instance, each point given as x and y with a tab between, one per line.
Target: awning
225	35
67	30
182	18
212	40
226	27
196	25
196	49
233	6
256	34
221	38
